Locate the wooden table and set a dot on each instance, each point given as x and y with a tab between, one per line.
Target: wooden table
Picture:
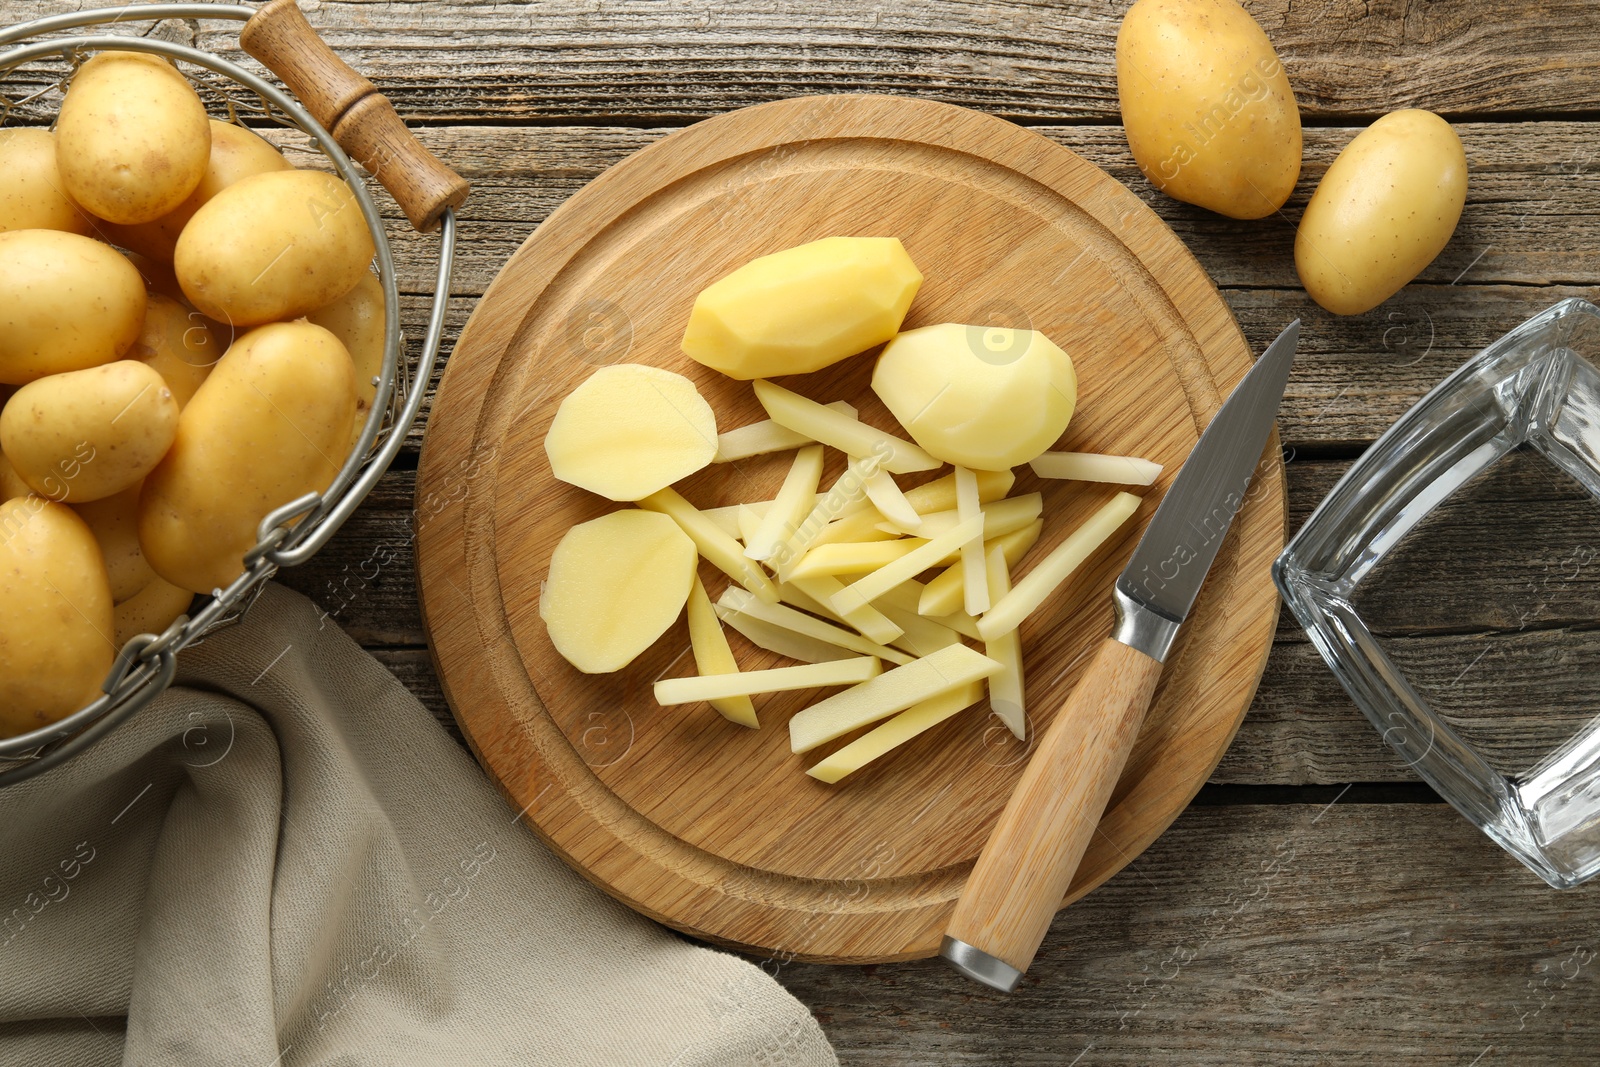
1318	904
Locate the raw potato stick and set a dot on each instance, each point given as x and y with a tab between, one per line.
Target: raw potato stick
760	438
858	526
891	502
975	577
920	635
897	731
942	597
1057	567
854	557
913	563
1005	688
940	494
727	518
907	596
892	691
748	522
790	507
777	639
850	436
1093	467
722	551
846	496
869	620
999	518
779	615
713	656
775	680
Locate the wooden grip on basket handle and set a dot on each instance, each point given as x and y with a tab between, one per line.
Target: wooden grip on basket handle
360	118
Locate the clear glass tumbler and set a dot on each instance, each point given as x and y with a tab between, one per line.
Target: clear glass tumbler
1530	399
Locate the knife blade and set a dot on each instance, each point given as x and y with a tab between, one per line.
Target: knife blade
1026	866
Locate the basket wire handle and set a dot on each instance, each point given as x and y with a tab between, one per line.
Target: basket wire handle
360	118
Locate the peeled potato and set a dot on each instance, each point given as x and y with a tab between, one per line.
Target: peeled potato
982	397
56	629
32	197
804	308
114	522
88	434
151	610
616	583
631	430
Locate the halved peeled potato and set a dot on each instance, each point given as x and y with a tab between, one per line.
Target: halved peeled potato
801	309
629	431
982	397
616	583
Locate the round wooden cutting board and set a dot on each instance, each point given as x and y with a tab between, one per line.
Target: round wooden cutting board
715	829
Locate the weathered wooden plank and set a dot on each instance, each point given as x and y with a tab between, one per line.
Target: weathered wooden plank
644	62
1289	935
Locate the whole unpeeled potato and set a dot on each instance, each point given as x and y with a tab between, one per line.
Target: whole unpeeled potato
269	425
177	344
114	521
151	610
66	302
356	319
272	247
11	483
1385	208
32	196
236	153
132	138
89	434
1208	110
56	630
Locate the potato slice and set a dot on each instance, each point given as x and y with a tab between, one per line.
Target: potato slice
837	430
631	430
942	597
1005	688
897	731
926	554
616	583
794	502
718	547
799	310
1057	567
982	397
895	690
670	691
766	436
713	656
1094	467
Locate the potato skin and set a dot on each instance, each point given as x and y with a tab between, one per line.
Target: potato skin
273	247
151	610
114	521
236	153
177	344
132	139
270	424
56	629
1386	207
66	303
31	197
1207	107
89	434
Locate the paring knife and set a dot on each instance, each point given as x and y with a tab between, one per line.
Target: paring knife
1024	871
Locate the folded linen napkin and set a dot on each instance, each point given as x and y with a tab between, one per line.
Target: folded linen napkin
285	861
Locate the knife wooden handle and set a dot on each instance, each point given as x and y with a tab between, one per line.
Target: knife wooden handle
1024	870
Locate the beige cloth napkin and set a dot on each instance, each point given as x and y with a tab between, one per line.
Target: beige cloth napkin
285	861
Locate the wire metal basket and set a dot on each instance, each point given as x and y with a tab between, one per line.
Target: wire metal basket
33	77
